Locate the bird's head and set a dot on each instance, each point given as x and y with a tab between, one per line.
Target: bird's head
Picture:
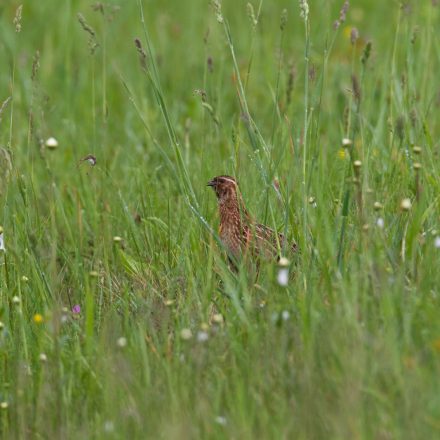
224	187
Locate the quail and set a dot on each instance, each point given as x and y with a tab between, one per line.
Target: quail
239	233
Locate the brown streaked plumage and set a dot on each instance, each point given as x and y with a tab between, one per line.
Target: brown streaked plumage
238	232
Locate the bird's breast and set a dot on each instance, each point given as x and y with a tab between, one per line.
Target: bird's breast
230	236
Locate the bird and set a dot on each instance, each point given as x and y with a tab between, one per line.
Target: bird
238	232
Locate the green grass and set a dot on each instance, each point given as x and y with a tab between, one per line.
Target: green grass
350	349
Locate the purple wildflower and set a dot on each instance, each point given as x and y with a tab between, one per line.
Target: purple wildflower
76	309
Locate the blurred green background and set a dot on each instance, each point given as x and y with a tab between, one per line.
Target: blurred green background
168	343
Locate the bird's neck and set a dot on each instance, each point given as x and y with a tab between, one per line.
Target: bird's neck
232	208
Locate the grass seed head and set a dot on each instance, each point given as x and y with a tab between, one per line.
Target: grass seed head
304	10
141	52
17	19
417	149
210	63
4	105
251	14
93	43
354	35
283	19
356	88
35	65
218	10
342	15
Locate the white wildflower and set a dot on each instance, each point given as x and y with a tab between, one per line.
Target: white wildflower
380	223
283	276
437	242
51	143
346	142
121	342
221	420
109	426
405	204
186	334
2	241
285	315
202	336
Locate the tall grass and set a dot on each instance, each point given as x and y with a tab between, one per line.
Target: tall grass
119	315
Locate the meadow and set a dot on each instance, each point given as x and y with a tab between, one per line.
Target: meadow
119	315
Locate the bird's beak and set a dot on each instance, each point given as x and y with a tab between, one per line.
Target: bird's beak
211	183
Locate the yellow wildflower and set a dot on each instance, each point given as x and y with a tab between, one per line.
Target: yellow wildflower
38	318
341	154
